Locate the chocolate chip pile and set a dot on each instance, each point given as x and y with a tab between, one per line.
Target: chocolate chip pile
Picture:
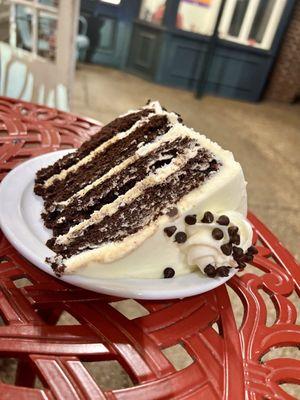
230	248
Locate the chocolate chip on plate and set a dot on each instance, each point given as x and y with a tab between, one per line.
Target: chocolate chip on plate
169	272
223	271
207	217
210	271
180	237
223	220
217	234
190	219
237	252
172	212
170	230
226	249
232	230
252	250
235	239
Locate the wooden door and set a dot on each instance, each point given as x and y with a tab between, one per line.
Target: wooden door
38	62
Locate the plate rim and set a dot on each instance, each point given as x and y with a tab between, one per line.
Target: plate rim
90	283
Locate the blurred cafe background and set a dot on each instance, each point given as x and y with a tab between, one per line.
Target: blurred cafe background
239	49
231	68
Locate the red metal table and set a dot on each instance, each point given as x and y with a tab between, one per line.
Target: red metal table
227	363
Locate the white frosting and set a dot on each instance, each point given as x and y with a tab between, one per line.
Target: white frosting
202	249
137	255
146	253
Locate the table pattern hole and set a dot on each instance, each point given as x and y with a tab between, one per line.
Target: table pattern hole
109	375
251	269
178	356
30	144
215	327
18	158
66	146
4	260
237	306
130	308
295	299
67	319
282	352
271	312
292	389
38	384
1	321
8	369
22	282
3	133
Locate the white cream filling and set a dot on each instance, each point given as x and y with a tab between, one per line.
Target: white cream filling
172	118
152	179
100	149
143	151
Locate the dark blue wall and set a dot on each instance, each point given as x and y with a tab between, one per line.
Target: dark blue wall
173	57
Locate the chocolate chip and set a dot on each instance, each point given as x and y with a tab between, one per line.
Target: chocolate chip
190	219
252	250
223	220
172	212
241	265
237	252
207	217
226	249
210	271
214	165
223	271
247	258
170	230
232	230
217	234
169	272
235	239
180	237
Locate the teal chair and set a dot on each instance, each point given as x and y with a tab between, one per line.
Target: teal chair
46	30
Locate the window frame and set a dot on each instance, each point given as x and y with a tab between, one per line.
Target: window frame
36	7
247	23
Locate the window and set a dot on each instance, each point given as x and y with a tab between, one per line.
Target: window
251	22
198	16
238	16
34	27
153	11
261	19
4	22
115	2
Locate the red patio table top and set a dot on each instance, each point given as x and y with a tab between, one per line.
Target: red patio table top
227	363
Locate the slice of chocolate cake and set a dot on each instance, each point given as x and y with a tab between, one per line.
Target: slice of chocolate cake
133	200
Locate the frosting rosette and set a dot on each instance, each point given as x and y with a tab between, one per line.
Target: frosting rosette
203	249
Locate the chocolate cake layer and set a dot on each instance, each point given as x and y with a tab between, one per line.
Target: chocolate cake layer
120	124
102	162
117	185
132	217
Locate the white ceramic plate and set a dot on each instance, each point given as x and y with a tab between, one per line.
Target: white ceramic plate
20	220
